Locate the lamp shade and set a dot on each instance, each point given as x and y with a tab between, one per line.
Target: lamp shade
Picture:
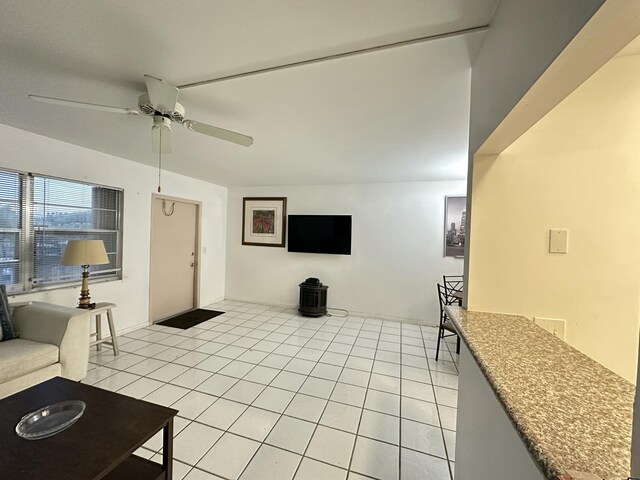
85	252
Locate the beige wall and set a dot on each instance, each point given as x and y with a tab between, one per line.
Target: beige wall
578	168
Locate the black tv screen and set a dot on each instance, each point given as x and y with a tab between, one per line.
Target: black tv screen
319	234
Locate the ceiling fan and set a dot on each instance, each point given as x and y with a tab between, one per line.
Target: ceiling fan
161	103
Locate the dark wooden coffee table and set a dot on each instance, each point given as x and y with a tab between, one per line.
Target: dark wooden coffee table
99	445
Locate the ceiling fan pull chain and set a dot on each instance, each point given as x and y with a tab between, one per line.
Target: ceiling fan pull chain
160	166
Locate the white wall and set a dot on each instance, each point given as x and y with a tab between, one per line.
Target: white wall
577	169
397	249
26	151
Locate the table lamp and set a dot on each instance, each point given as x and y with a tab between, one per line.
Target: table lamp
85	253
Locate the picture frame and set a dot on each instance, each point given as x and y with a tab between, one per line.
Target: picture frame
455	225
264	221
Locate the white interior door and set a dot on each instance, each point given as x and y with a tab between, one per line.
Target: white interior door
173	258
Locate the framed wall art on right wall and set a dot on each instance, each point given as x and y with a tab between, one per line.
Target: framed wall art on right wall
455	225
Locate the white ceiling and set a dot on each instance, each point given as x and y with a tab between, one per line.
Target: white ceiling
394	115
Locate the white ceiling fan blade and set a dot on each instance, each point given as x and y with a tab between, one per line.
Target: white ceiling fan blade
162	94
160	139
88	106
217	132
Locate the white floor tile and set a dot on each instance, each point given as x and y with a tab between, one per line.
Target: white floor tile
191	378
275	361
354	377
422	437
445	380
180	469
298	365
450	441
331	446
229	456
155	442
448	417
380	426
420	411
254	423
310	469
377	459
217	384
166	395
446	396
306	407
270	463
197	474
273	399
383	402
418	466
222	413
317	387
213	364
193	404
253	356
244	392
341	417
359	363
168	372
146	366
117	381
385	383
291	434
332	358
289	381
262	374
140	388
386	368
326	371
236	369
193	442
349	394
191	359
418	390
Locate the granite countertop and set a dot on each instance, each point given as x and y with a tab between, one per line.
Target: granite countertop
573	414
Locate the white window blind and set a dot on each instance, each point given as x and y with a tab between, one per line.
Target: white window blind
39	214
12	233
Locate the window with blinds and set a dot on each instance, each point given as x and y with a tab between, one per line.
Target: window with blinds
39	215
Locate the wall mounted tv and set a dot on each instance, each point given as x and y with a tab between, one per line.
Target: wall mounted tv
319	234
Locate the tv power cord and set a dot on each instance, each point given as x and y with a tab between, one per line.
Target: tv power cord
337	316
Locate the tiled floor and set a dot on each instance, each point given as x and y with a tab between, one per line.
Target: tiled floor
266	394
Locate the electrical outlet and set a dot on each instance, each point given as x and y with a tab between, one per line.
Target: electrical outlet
555	326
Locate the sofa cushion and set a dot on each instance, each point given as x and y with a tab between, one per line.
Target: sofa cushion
19	357
7	331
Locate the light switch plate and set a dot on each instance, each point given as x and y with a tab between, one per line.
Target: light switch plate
558	240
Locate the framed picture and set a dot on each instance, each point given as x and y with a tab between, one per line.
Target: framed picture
455	225
264	221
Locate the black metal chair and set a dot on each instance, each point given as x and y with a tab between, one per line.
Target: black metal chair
453	286
445	325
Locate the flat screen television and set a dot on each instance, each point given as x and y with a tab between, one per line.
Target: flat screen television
319	234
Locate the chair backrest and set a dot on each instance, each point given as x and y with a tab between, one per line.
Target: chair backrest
453	282
442	297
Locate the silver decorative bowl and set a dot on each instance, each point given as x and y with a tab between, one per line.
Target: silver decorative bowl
47	421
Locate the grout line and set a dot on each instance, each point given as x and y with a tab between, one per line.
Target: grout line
278	322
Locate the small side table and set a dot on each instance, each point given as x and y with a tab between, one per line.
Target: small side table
97	314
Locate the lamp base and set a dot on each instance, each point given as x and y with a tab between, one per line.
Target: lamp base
88	306
85	300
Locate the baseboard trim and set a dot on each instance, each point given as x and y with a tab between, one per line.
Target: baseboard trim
411	321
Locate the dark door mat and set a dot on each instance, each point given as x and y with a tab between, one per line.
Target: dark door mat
190	319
